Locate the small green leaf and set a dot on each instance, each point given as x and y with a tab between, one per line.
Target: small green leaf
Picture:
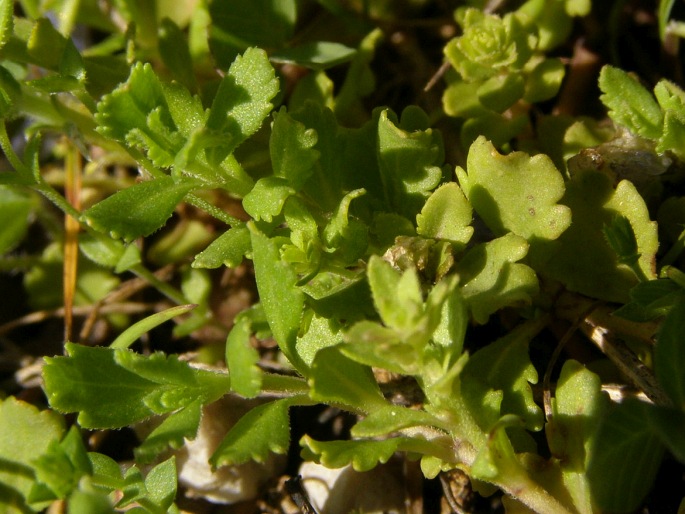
262	430
669	354
114	388
267	198
228	249
61	468
317	55
46	45
596	271
516	193
90	501
161	483
497	459
664	13
544	80
397	296
242	102
504	365
446	215
172	432
490	277
621	238
362	455
132	333
25	435
16	209
577	407
336	379
500	92
391	418
139	210
108	252
237	25
409	162
281	299
173	49
624	437
292	149
630	104
242	359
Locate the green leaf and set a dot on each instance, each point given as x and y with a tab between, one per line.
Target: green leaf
262	430
624	436
544	80
671	99
6	21
397	296
630	104
237	25
132	333
669	354
25	435
242	359
391	418
621	238
139	210
242	102
281	299
516	193
577	408
174	51
161	483
409	162
497	459
127	107
114	388
446	215
267	198
362	455
292	149
317	55
664	12
61	468
491	278
596	271
322	332
172	432
108	252
669	425
46	45
228	249
336	379
90	501
16	208
504	365
500	92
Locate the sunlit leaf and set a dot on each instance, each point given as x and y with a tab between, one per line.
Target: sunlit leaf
629	103
114	388
263	430
138	210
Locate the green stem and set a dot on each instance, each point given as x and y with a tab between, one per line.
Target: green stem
167	290
11	155
212	210
675	250
286	385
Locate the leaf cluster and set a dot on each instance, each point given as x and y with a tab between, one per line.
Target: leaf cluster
376	259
